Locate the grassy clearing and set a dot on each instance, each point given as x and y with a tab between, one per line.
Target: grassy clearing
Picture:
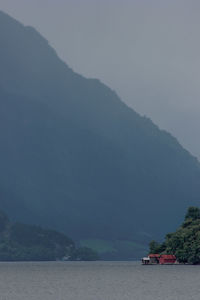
126	248
101	246
129	245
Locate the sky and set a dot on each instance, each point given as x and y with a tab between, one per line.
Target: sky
148	51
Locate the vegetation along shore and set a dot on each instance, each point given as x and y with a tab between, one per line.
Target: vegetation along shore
184	243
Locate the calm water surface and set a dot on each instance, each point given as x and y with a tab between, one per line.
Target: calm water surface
98	281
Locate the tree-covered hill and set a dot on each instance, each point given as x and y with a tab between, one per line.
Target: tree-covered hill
75	158
185	241
21	242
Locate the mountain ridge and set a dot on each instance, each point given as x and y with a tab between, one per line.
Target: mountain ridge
75	157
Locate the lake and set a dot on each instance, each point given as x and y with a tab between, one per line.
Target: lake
98	281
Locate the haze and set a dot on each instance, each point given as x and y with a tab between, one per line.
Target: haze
148	51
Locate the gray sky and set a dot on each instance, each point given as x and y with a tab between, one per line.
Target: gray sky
146	50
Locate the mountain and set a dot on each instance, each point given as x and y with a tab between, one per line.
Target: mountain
75	158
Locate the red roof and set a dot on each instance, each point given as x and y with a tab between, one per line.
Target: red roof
154	255
168	256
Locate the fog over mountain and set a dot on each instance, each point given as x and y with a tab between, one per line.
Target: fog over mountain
76	158
147	51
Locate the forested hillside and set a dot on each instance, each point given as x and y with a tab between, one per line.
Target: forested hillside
185	241
22	242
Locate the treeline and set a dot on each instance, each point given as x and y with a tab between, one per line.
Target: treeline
21	242
185	242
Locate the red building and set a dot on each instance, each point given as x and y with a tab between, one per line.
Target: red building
162	259
167	259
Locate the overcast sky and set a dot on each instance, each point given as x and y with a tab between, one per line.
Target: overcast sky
146	50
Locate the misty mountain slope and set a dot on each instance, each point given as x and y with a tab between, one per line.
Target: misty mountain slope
75	157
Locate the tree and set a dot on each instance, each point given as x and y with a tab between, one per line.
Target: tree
193	213
155	247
